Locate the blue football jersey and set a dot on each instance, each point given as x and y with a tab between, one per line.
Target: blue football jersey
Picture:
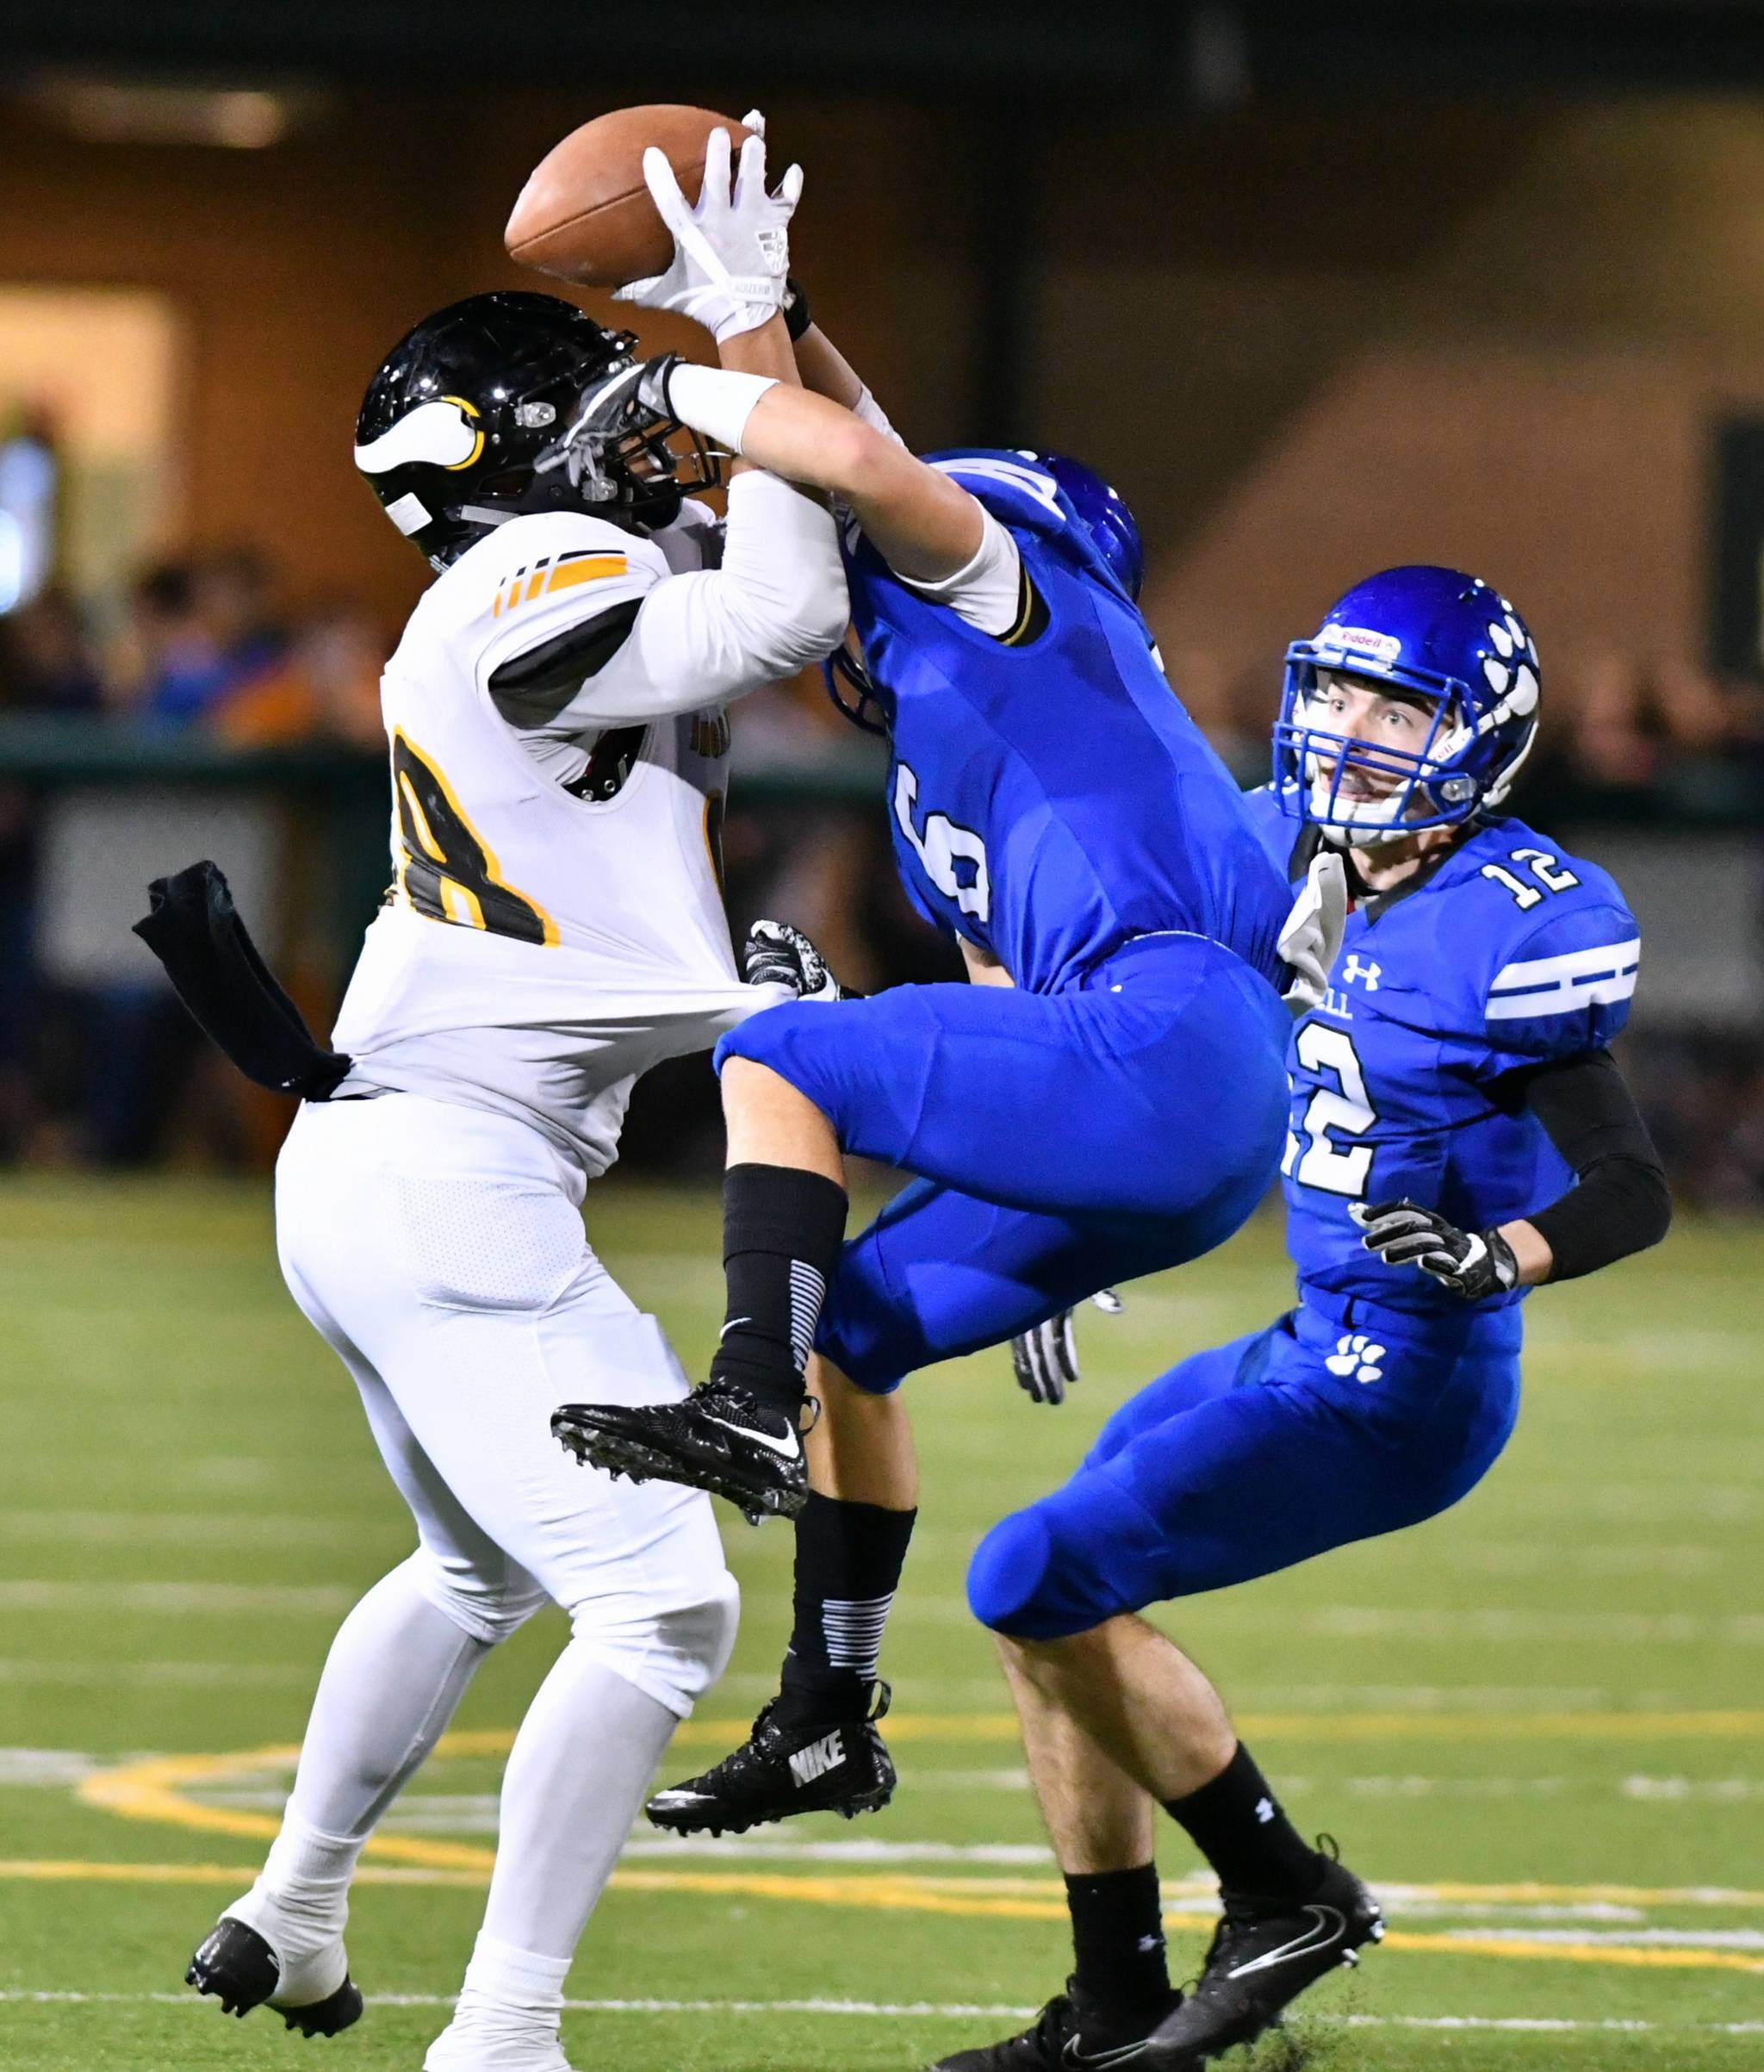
1510	954
1049	797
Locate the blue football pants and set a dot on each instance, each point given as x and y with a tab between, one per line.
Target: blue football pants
1339	1422
1064	1141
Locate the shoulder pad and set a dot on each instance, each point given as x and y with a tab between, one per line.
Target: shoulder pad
538	576
1557	947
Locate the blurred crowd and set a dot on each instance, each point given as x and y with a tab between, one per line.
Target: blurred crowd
203	644
111	1073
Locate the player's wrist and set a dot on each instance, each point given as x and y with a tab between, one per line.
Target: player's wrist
1526	1250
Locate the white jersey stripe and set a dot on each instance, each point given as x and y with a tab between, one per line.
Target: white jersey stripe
1566	998
1614	958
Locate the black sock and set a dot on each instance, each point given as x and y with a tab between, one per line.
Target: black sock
782	1228
1117	1931
1237	1823
848	1560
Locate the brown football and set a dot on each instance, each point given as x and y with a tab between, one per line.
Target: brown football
585	213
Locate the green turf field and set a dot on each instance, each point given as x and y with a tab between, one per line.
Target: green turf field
1536	1723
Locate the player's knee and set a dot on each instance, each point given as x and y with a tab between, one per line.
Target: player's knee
674	1655
488	1608
1009	1574
1045	1574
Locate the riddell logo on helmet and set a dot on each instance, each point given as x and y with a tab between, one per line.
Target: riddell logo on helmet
1361	640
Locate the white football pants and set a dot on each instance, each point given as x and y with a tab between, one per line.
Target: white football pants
440	1252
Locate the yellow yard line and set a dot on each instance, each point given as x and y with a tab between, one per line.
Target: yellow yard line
956	1727
155	1790
942	1896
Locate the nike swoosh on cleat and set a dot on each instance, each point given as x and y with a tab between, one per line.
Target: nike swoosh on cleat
1125	2055
1329	1925
788	1449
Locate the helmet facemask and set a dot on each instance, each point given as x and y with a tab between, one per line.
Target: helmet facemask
621	450
1365	793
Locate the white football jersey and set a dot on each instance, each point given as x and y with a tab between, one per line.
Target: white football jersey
538	949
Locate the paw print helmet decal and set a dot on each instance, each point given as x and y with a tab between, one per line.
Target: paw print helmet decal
1429	633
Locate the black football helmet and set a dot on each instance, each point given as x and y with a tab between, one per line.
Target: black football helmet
477	415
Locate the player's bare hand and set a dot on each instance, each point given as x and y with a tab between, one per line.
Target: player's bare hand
732	252
776	953
1404	1233
1045	1357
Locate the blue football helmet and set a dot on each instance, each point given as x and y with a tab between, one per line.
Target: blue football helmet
1434	634
1105	515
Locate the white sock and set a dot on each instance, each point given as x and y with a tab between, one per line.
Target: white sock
395	1672
582	1764
514	1997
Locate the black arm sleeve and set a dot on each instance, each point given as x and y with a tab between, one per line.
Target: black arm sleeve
1621	1204
533	687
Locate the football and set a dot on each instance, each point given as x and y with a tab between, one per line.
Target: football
585	213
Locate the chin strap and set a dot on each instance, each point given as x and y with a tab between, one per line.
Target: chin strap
195	931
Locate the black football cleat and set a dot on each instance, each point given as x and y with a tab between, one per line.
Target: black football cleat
1070	2033
1262	1956
718	1439
819	1766
237	1967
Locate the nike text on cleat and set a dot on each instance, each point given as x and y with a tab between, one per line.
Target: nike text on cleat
237	1967
718	1439
1072	2033
1264	1954
818	1766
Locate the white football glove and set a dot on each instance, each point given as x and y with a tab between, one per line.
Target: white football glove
776	953
731	253
1045	1357
1311	939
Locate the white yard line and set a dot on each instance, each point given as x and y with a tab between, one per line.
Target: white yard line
1321	1621
179	1600
78	1675
170	1529
927	2010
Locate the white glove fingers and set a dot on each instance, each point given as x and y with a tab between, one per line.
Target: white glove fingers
754	121
1065	1345
789	189
713	198
664	191
750	174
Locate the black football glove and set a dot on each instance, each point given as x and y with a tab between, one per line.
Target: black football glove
1045	1357
1404	1233
776	953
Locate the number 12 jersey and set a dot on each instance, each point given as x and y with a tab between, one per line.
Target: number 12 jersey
1408	1079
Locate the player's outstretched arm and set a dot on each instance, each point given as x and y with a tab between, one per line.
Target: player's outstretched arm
729	271
925	525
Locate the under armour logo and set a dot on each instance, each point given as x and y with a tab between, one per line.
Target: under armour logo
1265	1810
1354	968
1356	1357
